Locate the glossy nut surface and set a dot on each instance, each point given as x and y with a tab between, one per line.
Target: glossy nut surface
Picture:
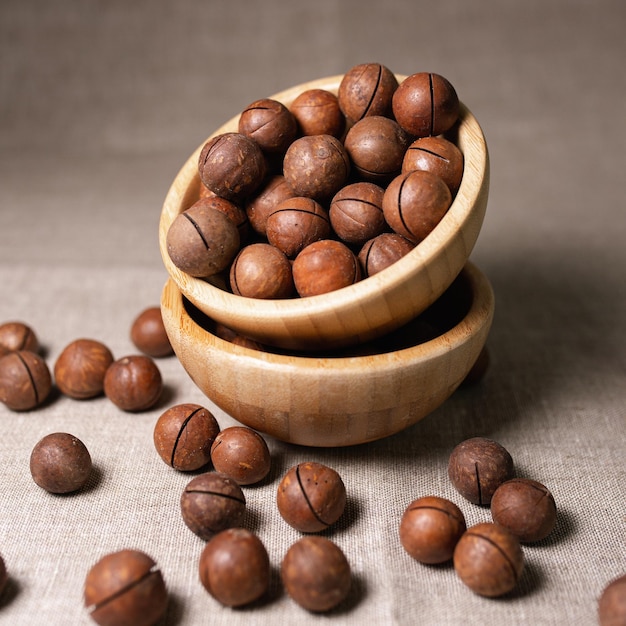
612	603
477	467
133	383
232	165
183	436
311	497
210	503
25	380
80	368
488	559
525	507
241	453
316	573
430	528
16	336
367	89
125	588
148	333
317	112
60	463
414	203
235	567
356	212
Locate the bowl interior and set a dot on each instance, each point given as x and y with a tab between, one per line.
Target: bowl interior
369	308
344	397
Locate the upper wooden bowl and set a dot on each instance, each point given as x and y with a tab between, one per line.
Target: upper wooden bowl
369	308
337	400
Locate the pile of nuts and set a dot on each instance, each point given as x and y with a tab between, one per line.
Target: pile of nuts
487	557
307	199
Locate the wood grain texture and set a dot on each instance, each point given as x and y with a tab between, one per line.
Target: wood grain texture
329	401
369	308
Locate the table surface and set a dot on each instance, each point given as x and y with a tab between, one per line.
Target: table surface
101	103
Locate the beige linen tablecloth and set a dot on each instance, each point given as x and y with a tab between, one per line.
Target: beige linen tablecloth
100	104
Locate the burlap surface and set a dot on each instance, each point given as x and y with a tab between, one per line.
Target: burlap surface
100	103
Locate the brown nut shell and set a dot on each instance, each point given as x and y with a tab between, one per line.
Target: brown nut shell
295	223
183	436
316	166
80	368
316	574
25	380
612	603
270	123
261	270
125	588
235	567
414	203
317	112
525	507
325	266
133	383
261	205
212	502
425	104
382	251
488	559
356	212
477	467
232	165
367	89
430	528
60	463
311	497
148	333
16	336
202	241
242	454
437	155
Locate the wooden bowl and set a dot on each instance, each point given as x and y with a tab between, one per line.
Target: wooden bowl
341	400
369	308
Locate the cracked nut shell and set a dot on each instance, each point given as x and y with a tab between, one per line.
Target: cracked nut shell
25	380
430	528
311	497
477	467
525	507
488	559
125	588
183	436
212	502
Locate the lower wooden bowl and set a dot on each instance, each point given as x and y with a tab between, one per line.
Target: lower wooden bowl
339	399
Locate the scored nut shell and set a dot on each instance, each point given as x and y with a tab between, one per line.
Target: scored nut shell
125	588
212	502
232	165
25	380
311	497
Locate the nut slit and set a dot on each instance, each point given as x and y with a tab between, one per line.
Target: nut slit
180	432
215	493
30	376
306	497
408	230
151	572
200	233
480	495
499	549
433	153
374	91
432	103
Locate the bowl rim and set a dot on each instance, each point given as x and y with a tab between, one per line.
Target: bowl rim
477	319
287	313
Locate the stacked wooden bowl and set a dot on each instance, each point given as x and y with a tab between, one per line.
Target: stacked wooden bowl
340	398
